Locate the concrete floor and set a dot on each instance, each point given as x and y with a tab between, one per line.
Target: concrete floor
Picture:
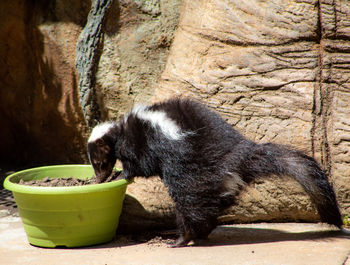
288	243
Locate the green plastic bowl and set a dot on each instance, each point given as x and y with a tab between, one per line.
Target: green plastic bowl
67	216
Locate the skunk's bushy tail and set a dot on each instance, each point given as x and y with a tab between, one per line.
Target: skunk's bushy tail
267	159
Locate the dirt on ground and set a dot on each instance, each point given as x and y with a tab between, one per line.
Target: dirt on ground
70	181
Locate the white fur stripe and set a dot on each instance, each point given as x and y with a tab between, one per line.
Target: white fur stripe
100	130
159	119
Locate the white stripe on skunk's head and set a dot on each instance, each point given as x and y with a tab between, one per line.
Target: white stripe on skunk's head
100	130
159	119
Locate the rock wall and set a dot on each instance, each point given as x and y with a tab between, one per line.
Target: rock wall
39	101
276	70
134	55
39	110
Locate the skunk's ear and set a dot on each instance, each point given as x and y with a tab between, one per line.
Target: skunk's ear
100	142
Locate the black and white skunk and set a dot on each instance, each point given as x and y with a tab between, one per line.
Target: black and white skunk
203	161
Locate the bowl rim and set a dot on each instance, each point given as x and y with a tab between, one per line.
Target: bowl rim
20	188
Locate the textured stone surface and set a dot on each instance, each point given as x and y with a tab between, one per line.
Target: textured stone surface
277	70
335	93
40	114
134	57
147	206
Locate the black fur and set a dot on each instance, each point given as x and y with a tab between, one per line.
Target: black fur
208	166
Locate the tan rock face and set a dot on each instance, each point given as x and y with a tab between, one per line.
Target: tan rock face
276	70
147	206
279	72
135	52
40	114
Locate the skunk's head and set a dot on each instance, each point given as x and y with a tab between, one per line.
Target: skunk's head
101	150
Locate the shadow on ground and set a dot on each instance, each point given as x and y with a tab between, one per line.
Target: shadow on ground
227	235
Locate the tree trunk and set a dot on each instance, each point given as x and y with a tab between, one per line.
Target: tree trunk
89	48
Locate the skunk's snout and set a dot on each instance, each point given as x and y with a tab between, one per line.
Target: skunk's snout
102	174
100	178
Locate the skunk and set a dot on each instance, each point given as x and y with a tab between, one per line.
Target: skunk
203	160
